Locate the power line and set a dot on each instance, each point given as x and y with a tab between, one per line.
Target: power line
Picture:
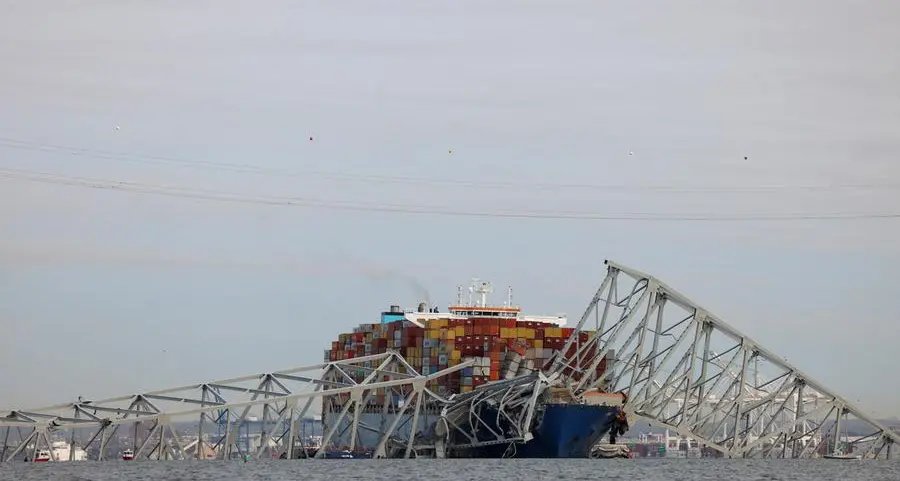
108	155
224	196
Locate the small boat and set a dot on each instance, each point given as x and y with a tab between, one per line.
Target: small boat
842	456
128	455
42	456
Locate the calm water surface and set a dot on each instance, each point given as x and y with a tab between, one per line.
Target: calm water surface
458	470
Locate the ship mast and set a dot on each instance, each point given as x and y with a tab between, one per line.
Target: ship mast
482	288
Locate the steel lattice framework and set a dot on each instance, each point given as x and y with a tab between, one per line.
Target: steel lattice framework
505	412
681	367
283	398
687	370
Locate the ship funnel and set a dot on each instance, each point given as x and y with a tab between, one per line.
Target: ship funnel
422	306
395	309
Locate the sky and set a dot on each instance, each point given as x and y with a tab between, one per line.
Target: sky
610	110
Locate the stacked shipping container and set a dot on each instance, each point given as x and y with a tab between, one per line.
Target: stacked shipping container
502	348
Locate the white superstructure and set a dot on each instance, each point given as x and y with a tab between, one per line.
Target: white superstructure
477	306
61	451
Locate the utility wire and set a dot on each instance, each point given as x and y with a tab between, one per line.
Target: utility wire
225	196
107	155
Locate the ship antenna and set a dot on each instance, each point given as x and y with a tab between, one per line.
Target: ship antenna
459	295
509	297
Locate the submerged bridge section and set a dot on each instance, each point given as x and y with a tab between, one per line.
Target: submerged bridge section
680	366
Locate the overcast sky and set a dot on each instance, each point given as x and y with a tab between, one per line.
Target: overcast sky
474	106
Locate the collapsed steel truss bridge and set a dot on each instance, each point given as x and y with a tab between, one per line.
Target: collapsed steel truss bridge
680	366
687	370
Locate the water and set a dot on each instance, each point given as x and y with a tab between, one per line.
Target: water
458	470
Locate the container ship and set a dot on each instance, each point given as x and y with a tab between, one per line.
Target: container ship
503	345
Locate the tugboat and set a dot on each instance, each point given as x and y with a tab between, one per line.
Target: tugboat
128	455
42	456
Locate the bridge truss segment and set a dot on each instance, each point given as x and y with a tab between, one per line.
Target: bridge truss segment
281	400
687	370
500	412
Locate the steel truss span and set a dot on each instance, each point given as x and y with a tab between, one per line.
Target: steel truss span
218	410
687	370
680	366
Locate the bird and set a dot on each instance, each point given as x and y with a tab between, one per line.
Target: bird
310	138
630	152
116	128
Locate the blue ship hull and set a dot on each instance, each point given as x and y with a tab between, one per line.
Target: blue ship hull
565	431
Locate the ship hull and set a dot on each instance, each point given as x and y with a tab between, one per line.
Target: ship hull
566	431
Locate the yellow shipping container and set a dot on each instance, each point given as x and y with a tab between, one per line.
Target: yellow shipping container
460	331
434	333
538	343
525	333
456	355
